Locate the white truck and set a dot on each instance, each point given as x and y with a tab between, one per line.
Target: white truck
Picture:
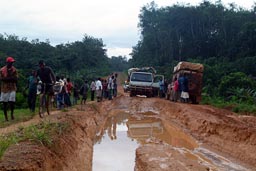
143	81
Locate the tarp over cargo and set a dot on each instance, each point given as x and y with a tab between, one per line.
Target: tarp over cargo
143	69
189	66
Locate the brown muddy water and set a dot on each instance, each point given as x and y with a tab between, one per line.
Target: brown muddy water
116	143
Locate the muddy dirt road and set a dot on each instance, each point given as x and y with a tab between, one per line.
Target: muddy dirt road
164	136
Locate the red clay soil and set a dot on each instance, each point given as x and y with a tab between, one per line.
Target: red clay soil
220	130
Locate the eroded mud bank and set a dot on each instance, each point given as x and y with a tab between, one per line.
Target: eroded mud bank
223	132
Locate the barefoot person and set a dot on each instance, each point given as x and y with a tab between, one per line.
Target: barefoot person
84	91
47	76
8	77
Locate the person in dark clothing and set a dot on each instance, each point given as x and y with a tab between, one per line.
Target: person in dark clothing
165	86
183	85
105	89
75	94
161	88
32	90
84	92
48	79
115	85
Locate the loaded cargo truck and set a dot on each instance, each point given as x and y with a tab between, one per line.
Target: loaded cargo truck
142	81
194	72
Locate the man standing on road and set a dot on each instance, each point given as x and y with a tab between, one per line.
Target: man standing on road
99	90
175	90
48	79
93	88
115	85
32	90
8	77
183	84
161	88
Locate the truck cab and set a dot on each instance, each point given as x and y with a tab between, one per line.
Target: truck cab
141	84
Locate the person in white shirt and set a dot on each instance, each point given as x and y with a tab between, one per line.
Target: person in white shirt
93	87
110	85
98	89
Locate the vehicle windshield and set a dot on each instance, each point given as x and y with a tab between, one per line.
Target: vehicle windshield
141	77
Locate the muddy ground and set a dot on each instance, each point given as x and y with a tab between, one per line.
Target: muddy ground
226	133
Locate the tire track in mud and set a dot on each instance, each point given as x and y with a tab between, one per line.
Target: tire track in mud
219	130
198	121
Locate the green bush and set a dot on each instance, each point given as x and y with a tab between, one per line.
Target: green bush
234	104
42	133
6	141
21	101
237	80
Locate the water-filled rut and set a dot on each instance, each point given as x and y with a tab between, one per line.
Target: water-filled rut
116	143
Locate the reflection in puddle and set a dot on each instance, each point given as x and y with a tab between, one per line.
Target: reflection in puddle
113	149
117	140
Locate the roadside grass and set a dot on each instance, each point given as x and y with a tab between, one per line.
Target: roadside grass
242	108
42	133
20	115
6	141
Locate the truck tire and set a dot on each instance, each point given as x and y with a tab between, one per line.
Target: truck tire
132	93
193	100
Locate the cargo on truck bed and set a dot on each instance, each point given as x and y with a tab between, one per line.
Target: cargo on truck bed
194	73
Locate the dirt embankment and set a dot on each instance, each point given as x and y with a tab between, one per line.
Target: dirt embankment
222	131
219	130
72	151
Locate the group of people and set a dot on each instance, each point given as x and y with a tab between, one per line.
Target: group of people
103	88
178	90
58	90
9	78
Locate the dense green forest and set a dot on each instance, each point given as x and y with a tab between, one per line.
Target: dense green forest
222	38
79	60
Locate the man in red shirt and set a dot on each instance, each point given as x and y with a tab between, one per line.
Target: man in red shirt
69	86
175	90
8	77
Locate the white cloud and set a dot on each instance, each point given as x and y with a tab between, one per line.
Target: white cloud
119	51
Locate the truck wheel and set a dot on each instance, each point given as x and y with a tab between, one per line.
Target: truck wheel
193	99
131	93
151	94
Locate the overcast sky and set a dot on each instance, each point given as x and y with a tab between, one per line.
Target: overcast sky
63	21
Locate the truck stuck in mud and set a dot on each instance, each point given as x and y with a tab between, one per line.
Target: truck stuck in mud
143	81
194	72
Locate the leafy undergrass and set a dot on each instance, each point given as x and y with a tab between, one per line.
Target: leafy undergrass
42	133
6	141
20	115
235	106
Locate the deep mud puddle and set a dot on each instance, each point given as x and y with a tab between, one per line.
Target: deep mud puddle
117	141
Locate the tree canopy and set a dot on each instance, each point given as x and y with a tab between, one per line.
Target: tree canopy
222	38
